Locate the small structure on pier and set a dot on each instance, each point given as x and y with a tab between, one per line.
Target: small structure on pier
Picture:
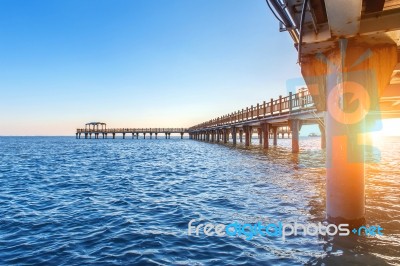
96	125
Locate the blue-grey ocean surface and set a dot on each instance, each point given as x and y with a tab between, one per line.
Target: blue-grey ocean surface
65	201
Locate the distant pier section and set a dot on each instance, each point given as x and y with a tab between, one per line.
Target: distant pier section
99	130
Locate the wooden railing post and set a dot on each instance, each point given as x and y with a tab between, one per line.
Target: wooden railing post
265	108
280	104
290	102
258	110
272	106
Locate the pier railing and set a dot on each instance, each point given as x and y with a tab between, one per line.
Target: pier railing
133	130
280	106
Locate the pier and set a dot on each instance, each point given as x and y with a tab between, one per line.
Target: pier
99	129
267	119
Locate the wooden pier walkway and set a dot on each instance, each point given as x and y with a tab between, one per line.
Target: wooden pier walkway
277	117
267	119
100	129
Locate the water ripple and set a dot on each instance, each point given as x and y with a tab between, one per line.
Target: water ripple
117	202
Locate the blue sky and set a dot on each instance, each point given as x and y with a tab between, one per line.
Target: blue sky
136	63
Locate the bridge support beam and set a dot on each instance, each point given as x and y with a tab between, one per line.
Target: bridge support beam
295	126
259	132
233	131
181	135
275	135
247	132
354	71
241	135
224	135
156	135
265	134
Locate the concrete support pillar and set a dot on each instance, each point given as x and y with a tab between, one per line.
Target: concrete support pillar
224	135
275	135
248	133
241	135
218	135
233	130
212	135
265	134
259	132
295	126
353	71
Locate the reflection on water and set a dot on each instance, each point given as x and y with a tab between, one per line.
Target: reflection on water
67	201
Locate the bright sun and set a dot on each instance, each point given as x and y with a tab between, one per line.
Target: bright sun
390	127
